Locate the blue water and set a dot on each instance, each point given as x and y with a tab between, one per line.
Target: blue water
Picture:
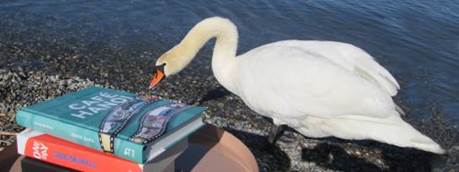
417	41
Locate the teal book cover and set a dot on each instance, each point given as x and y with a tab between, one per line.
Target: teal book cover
114	121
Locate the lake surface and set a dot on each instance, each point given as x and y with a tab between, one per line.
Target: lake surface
417	41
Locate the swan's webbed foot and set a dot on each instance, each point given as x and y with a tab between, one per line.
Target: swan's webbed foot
275	133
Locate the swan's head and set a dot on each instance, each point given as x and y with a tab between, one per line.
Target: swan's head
177	58
170	63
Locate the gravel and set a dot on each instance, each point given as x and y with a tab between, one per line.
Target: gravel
29	74
19	88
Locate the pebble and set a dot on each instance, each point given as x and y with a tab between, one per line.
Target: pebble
19	89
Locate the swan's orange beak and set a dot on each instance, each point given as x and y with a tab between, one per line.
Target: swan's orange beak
158	76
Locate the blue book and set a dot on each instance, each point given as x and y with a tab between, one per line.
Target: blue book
118	122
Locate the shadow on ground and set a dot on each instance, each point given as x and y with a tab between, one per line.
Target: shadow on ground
336	156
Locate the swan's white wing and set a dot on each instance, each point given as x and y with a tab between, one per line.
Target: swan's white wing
310	90
349	57
296	80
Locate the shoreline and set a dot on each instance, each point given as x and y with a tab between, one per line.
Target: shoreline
51	69
291	152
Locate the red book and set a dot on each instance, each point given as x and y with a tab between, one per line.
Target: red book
57	151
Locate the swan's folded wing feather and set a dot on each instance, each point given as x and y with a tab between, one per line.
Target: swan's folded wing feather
363	64
288	80
349	57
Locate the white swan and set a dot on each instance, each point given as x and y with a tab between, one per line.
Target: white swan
319	88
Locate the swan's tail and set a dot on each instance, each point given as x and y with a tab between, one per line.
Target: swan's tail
404	135
394	131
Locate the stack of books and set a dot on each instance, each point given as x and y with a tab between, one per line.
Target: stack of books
99	129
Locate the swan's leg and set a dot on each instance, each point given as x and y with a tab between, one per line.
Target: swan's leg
276	132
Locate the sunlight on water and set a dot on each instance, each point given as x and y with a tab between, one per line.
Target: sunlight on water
418	41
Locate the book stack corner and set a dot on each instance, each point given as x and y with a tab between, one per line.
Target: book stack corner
100	129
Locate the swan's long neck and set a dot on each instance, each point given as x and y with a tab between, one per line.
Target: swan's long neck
224	54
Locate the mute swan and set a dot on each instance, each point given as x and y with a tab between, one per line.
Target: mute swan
319	88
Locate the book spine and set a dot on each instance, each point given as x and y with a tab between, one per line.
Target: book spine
83	136
57	151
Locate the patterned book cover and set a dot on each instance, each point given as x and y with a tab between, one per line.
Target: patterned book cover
114	121
50	149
